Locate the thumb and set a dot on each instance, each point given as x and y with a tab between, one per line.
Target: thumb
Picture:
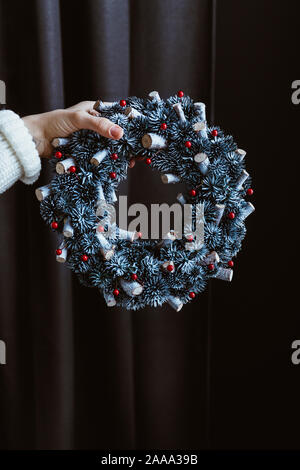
101	125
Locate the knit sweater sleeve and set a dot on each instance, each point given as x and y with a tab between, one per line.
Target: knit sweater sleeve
19	158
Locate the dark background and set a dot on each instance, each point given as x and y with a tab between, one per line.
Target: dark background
218	374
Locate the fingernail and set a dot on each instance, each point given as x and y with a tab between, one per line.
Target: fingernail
115	131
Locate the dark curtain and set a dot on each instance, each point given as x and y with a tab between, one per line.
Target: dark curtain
218	373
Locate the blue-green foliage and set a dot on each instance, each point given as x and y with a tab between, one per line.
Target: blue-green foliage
75	195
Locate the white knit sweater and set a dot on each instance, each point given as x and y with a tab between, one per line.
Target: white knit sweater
19	158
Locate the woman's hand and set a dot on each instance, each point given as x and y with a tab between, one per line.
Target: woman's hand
62	122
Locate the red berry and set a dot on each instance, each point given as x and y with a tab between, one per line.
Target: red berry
180	93
192	295
114	156
113	175
188	144
134	277
100	228
139	234
231	215
116	292
84	257
190	238
54	225
170	267
250	191
214	133
163	126
211	267
58	154
193	192
72	169
148	161
230	264
58	251
123	103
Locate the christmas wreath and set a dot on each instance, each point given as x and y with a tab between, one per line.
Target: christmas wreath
173	137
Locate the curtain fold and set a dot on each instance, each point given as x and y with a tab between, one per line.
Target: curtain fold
80	375
217	374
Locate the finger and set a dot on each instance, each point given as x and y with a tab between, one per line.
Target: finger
131	162
98	124
85	105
